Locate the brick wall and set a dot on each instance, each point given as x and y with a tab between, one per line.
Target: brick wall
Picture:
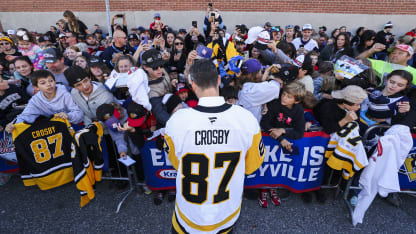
396	7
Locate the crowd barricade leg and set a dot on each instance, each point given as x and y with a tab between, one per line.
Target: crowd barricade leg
130	172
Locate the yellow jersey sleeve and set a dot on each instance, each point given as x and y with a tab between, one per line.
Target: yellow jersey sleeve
170	150
255	154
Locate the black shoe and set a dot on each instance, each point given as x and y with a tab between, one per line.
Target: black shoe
394	199
171	195
251	194
320	196
306	197
158	198
284	194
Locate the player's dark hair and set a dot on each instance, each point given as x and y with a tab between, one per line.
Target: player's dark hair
204	73
36	75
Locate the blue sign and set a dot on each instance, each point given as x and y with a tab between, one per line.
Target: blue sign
299	173
407	173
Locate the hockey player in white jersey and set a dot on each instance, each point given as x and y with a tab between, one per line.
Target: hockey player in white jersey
211	146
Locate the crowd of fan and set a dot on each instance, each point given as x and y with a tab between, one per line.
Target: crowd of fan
133	82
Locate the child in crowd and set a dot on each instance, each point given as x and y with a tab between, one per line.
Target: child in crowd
387	102
12	102
230	94
51	99
254	91
30	49
284	120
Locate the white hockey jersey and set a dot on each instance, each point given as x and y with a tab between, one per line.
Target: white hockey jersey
381	175
345	150
211	146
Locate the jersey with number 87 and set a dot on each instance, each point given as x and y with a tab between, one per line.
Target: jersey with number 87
212	149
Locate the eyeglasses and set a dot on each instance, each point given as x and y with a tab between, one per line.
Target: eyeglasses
156	68
178	43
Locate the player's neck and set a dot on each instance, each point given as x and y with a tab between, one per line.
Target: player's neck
210	92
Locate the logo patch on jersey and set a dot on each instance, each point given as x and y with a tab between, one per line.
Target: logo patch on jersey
212	119
261	147
166	146
410	167
169	174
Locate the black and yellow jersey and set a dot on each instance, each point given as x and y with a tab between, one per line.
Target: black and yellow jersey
43	151
88	161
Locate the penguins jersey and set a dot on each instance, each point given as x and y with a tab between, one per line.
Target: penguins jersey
88	162
44	151
345	150
211	147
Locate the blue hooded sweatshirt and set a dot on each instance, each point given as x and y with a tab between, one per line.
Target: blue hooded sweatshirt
62	102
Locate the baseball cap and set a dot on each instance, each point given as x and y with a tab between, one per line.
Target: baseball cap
152	58
182	30
136	114
250	66
140	29
267	24
51	55
262	40
181	87
352	93
323	28
403	47
171	69
156	15
109	115
253	33
45	38
307	27
61	35
171	102
133	36
94	61
75	74
11	32
287	73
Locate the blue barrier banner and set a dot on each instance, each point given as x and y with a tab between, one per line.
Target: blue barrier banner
8	161
299	173
407	173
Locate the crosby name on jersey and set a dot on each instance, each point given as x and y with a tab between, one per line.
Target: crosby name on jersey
211	137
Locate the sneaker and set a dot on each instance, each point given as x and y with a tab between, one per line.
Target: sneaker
394	199
146	190
353	201
274	197
158	198
320	196
171	195
263	198
5	177
306	197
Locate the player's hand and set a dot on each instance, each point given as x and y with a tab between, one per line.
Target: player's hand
286	144
62	115
403	107
350	116
276	132
9	127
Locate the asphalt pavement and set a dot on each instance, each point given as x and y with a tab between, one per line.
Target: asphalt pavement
30	210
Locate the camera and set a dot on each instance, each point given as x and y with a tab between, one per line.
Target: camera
210	4
120	15
195	24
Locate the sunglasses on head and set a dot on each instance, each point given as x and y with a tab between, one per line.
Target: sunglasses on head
156	68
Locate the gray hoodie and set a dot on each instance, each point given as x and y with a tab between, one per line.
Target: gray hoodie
100	95
62	102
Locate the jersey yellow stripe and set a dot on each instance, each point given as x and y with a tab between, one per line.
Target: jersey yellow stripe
207	228
171	155
255	155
